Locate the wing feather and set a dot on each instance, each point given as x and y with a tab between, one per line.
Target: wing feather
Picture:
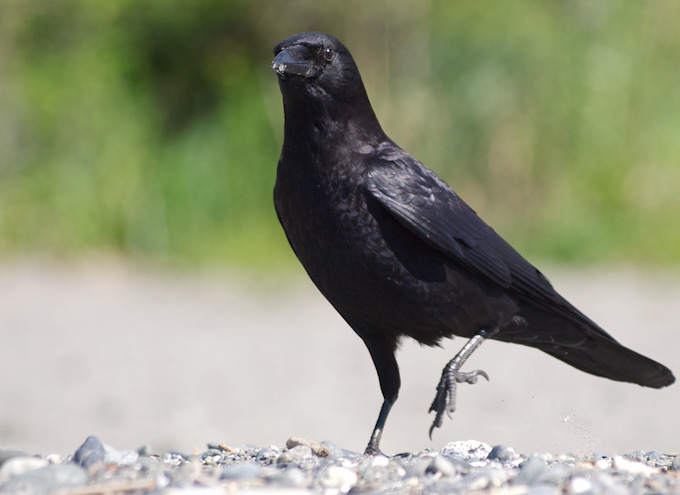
428	207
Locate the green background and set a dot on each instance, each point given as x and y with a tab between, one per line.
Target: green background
151	130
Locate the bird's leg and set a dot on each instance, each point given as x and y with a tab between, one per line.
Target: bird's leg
445	400
373	447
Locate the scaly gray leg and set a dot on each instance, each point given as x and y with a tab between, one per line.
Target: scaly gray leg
445	400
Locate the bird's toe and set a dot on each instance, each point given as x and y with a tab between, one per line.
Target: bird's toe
469	377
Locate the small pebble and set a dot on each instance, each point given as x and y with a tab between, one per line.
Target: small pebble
90	452
268	454
144	451
339	477
633	467
500	453
6	454
54	459
172	459
212	456
530	471
317	448
46	480
121	457
418	467
441	465
297	456
580	486
469	449
227	448
19	465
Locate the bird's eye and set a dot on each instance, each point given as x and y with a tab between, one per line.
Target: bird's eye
328	54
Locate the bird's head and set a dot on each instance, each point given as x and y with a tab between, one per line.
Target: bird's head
318	76
315	61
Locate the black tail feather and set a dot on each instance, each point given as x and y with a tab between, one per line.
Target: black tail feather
603	357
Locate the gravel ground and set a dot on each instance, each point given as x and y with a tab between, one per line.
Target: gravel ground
309	467
175	360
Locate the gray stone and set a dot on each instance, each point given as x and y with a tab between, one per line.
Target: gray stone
418	467
500	453
212	456
46	479
530	471
268	454
297	456
557	475
144	451
90	452
442	466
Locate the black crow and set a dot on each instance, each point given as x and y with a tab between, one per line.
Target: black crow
398	253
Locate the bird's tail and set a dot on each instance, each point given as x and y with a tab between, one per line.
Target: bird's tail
605	357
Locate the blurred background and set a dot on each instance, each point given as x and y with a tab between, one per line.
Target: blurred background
138	148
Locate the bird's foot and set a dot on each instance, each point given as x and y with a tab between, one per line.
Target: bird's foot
372	450
445	400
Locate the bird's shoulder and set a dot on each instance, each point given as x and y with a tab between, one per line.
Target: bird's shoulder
422	200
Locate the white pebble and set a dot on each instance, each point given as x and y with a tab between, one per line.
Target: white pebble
339	477
580	485
633	467
19	465
467	449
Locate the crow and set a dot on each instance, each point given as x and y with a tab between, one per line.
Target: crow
398	253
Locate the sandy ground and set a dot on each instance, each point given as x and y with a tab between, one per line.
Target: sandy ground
174	361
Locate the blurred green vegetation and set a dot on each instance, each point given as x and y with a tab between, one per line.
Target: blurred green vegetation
152	129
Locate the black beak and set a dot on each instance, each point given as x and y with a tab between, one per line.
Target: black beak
285	64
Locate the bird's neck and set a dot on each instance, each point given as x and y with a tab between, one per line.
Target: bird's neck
350	122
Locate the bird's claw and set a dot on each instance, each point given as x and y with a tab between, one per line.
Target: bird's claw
470	377
445	400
